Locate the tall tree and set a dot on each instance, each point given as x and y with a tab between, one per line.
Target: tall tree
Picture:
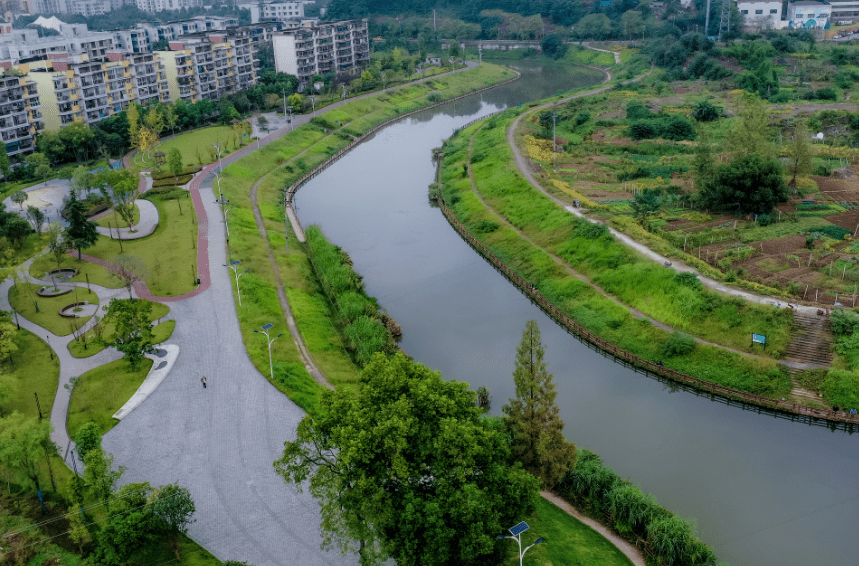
532	417
82	180
19	198
50	144
799	153
100	476
39	165
24	442
36	218
405	468
747	185
81	233
174	162
78	136
171	118
174	506
751	132
132	114
120	188
58	243
133	329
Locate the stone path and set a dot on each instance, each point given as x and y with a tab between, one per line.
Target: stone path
145	226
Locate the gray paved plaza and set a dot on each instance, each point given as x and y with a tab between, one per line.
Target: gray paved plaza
220	442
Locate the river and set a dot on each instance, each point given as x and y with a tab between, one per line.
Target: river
765	491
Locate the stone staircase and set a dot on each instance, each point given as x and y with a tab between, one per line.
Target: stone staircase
811	348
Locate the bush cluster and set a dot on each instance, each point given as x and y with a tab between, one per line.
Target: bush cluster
171	181
820	94
643	172
662	535
831	231
646	125
366	330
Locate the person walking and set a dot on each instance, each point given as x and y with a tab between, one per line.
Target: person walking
203	381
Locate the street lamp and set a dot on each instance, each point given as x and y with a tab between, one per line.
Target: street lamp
227	224
313	102
517	531
218	177
384	80
265	329
289	120
232	265
345	91
217	146
222	202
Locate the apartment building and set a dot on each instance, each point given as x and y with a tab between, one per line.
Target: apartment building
161	5
74	39
90	90
209	65
274	11
20	115
143	36
91	8
760	14
327	48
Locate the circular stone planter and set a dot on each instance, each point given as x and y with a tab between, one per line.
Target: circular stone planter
63	274
78	310
50	291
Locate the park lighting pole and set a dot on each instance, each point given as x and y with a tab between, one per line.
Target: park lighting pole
218	177
232	265
265	329
289	120
384	80
222	202
313	102
516	532
227	224
218	147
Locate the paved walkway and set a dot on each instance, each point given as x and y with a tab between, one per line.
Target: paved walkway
631	552
145	226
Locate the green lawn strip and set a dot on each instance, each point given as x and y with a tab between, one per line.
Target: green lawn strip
95	274
161	332
568	541
170	253
587	307
160	553
101	391
636	281
201	139
113	220
33	371
48	315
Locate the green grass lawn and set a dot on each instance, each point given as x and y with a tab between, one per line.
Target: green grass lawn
568	542
188	143
48	316
100	392
170	253
113	220
32	371
161	332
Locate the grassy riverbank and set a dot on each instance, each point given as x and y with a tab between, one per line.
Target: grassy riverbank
504	196
278	165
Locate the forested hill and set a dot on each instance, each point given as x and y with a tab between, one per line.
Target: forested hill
564	12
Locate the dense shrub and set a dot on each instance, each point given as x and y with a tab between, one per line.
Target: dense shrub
664	537
365	332
590	230
820	94
677	344
672	127
171	181
637	111
706	112
843	322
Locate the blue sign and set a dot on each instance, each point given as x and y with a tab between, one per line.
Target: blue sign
759	338
605	3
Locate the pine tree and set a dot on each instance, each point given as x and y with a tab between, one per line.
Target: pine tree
536	430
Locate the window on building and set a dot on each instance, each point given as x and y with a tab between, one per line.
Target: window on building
759	11
773	11
744	11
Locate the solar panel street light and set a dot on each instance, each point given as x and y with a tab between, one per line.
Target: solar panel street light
265	329
516	534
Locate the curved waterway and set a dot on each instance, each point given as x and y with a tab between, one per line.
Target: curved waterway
765	491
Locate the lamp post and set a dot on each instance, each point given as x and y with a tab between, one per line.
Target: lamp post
232	265
265	329
516	532
313	103
218	177
345	91
289	120
217	146
227	224
384	80
222	202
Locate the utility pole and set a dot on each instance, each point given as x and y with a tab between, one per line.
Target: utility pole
725	19
554	135
706	21
284	102
433	21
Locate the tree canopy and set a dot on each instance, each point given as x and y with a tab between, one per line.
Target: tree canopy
405	468
749	184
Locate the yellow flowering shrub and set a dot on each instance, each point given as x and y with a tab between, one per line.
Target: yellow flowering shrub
583	200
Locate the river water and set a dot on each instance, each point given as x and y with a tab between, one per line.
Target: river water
765	491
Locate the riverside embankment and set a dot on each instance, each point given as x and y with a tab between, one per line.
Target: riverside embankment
735	470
